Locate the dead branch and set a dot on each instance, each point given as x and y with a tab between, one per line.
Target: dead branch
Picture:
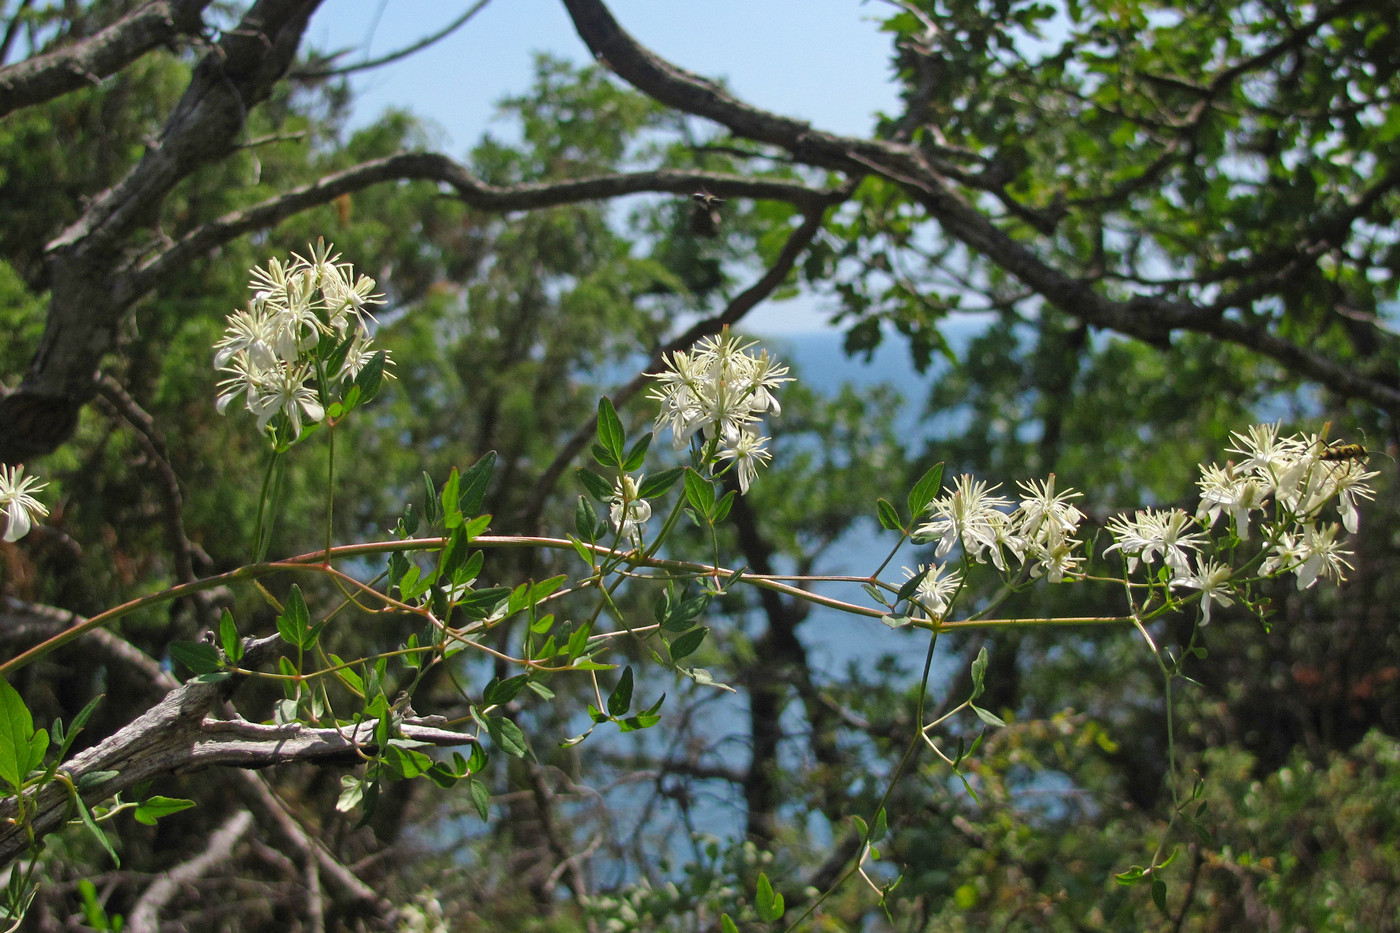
176	736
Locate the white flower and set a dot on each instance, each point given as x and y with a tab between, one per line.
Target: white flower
1044	510
1055	556
285	390
629	512
1231	491
21	508
267	353
1348	480
968	515
745	448
1315	554
937	589
1150	532
718	390
1213	580
253	333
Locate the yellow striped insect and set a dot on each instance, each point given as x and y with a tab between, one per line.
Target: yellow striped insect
1342	452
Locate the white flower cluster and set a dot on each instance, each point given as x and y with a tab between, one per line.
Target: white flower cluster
268	351
1301	475
719	390
1039	532
20	508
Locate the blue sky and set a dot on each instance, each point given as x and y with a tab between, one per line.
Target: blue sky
820	60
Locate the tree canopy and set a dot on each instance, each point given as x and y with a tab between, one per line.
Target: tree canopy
1109	236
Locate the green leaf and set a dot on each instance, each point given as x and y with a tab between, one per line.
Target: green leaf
371	377
875	593
699	492
86	816
295	621
403	763
19	743
723	506
924	490
584	552
767	902
726	925
586	524
79	721
611	436
1159	894
681	616
889	517
507	737
352	791
658	484
979	672
480	604
578	640
912	585
476	526
228	637
881	827
481	797
599	488
620	700
500	692
432	508
546	588
474	484
450	496
93	778
199	657
637	455
156	807
987	716
686	644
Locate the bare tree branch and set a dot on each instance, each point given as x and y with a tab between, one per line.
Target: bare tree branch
1147	317
145	916
429	166
175	736
309	74
88	61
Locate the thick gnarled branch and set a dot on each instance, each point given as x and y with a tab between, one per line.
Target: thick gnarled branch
177	736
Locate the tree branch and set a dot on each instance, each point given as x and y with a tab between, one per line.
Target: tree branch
86	62
145	916
91	289
1147	317
316	74
430	166
175	736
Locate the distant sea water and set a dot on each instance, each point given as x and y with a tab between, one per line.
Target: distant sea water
834	639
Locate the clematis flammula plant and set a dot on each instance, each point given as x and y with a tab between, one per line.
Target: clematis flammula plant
629	511
20	508
268	354
717	390
936	590
1298	476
